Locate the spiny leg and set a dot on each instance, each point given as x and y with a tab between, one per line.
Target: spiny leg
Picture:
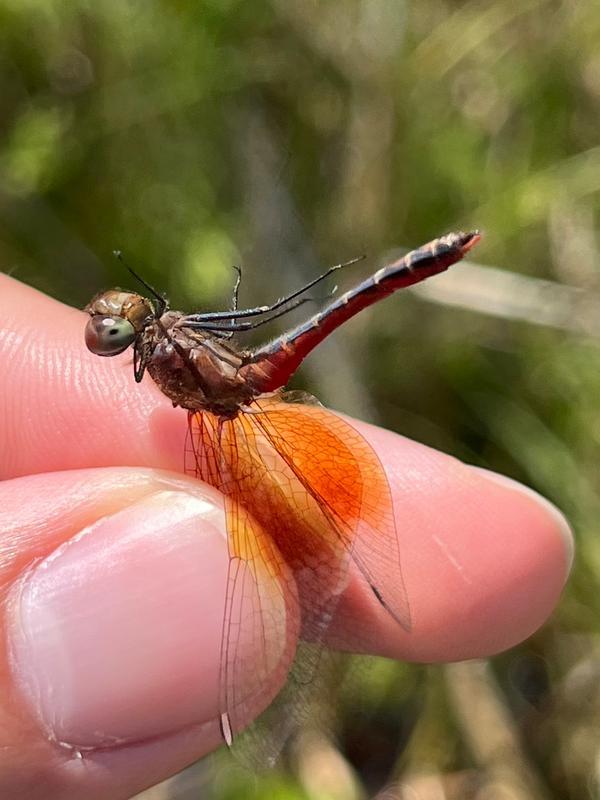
226	331
235	296
214	316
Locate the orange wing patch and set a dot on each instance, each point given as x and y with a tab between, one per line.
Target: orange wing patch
340	469
304	495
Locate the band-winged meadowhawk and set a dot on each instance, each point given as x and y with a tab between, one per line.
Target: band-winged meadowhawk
305	494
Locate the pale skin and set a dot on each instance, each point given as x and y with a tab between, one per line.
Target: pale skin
113	644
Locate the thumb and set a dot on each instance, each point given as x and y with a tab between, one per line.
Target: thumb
113	587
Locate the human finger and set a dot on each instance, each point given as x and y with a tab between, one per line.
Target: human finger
112	595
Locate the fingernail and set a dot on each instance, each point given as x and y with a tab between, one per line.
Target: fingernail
559	520
115	636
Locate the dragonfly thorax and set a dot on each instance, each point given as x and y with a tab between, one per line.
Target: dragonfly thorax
195	369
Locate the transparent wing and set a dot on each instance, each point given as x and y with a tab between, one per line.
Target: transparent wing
304	495
261	617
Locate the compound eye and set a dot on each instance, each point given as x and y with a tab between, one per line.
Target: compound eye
108	336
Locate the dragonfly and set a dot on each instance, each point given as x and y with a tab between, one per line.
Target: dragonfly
306	498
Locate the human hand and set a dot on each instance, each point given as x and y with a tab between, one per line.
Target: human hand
111	637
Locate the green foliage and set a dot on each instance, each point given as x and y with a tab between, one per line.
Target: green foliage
287	136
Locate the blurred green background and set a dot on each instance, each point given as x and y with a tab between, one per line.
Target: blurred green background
287	136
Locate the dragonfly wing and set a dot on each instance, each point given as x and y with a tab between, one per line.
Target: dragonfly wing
261	617
340	469
304	496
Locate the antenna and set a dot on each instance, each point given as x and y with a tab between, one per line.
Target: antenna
162	303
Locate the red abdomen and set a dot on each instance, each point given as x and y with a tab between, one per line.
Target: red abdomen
271	366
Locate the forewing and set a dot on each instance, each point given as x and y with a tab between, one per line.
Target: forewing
341	471
261	617
304	495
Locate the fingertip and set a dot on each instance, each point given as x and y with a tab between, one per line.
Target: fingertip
514	551
557	521
484	559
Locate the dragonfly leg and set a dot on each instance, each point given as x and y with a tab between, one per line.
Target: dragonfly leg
236	288
234	298
235	314
225	329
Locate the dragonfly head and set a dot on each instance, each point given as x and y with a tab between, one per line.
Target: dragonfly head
116	320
